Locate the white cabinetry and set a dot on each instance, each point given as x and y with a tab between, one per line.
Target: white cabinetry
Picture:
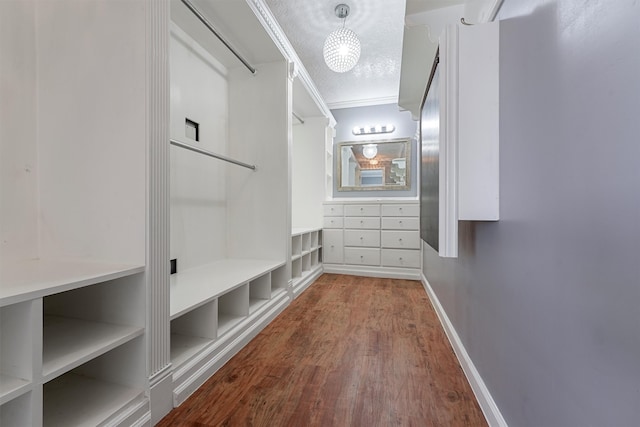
378	238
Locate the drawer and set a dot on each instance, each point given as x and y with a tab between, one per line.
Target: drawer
402	223
401	258
401	239
362	210
362	256
333	210
401	210
369	222
332	252
369	238
333	222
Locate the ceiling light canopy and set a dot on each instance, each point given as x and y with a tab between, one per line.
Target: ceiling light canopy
370	151
342	47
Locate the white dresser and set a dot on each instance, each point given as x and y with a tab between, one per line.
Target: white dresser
380	238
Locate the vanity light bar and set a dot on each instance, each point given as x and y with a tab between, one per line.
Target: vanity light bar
368	130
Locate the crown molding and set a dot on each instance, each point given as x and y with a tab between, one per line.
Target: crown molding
274	30
364	102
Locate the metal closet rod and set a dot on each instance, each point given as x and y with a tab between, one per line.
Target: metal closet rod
211	28
297	117
212	154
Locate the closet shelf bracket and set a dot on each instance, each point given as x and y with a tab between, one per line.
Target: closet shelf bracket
212	154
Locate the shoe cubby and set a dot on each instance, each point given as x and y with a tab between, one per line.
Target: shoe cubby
306	243
93	392
296	269
233	307
306	263
279	281
296	246
259	292
314	236
193	331
315	257
81	324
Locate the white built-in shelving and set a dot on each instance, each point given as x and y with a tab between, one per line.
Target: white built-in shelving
306	257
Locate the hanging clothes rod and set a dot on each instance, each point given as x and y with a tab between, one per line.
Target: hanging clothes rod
211	154
211	28
297	117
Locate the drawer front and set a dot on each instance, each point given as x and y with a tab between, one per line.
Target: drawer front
332	252
333	210
401	210
366	222
366	238
401	223
362	210
362	256
401	258
333	222
401	239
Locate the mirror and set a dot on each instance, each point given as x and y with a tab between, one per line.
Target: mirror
374	165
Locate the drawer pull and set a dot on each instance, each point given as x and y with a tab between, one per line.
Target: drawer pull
400	222
361	222
400	209
400	239
361	209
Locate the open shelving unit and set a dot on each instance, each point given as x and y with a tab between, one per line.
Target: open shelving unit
306	257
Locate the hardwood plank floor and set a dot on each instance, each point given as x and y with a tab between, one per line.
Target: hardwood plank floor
349	351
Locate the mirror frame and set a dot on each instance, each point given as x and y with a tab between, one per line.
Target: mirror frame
405	187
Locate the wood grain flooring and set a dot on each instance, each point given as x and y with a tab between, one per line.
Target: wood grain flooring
349	351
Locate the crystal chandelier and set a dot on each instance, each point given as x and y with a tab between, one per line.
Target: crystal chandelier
342	47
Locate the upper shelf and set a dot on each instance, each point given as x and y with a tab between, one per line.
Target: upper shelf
36	278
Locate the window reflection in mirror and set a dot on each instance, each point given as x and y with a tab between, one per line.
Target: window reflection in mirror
374	165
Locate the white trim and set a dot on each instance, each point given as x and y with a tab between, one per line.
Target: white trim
485	400
302	284
373	271
364	102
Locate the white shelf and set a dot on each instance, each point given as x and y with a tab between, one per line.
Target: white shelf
11	387
30	279
194	287
302	230
74	400
256	303
184	347
68	343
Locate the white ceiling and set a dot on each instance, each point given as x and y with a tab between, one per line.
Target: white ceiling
379	25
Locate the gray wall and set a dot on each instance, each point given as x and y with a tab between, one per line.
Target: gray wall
547	300
406	127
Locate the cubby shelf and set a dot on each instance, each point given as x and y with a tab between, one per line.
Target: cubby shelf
74	400
306	264
71	342
11	387
30	279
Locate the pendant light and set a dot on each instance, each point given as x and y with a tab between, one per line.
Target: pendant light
341	48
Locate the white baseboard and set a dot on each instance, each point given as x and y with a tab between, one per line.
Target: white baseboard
303	283
485	400
373	271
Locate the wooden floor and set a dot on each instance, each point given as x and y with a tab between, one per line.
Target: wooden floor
349	351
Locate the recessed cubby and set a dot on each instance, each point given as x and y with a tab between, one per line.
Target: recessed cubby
296	246
81	324
279	280
259	292
296	269
93	392
233	307
314	239
306	243
315	258
193	331
306	262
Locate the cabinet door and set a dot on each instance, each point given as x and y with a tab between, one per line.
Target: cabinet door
332	244
401	239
